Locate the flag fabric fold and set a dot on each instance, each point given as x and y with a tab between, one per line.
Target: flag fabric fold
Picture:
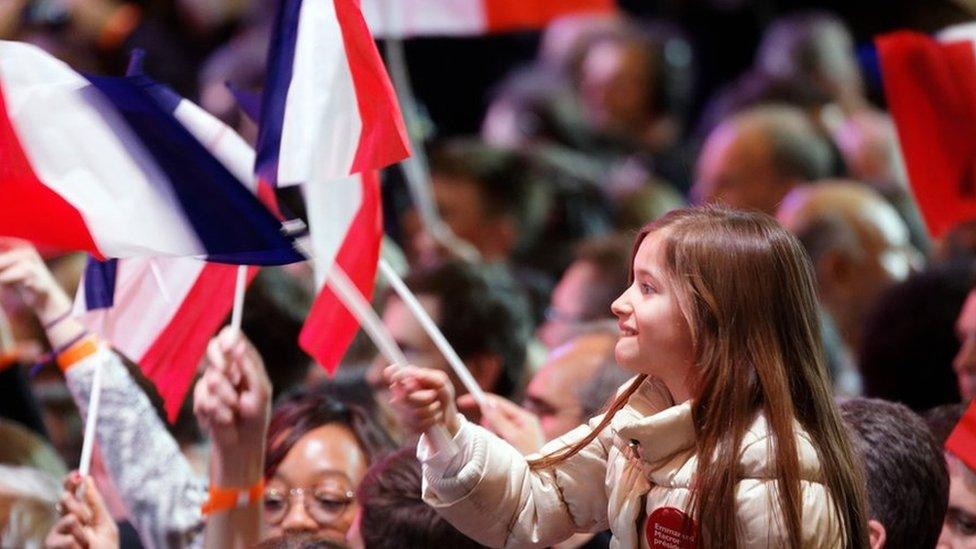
100	164
346	226
328	109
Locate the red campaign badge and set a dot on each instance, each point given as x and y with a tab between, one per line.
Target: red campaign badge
670	528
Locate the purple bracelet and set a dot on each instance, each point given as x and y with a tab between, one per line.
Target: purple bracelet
58	320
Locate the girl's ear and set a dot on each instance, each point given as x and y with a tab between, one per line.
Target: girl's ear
876	534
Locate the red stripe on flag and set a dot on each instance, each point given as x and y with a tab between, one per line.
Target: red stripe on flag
962	441
506	15
383	138
171	361
29	209
330	328
931	93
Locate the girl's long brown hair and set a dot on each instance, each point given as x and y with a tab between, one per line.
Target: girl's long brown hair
745	287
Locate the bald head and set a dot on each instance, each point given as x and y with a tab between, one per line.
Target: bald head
554	392
753	159
857	242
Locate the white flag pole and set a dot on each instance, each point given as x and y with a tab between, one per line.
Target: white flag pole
84	467
415	167
410	300
239	287
356	303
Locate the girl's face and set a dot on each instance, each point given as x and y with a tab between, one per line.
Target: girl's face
655	338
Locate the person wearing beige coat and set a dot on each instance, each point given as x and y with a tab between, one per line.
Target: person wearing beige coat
635	478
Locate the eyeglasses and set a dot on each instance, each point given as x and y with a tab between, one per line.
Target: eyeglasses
323	505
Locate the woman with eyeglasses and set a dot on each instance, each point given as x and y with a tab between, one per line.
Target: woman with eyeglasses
298	480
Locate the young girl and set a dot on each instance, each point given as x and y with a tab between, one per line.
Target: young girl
728	437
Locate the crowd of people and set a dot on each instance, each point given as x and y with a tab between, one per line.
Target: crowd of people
654	280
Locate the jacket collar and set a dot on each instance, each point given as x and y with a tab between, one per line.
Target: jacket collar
658	429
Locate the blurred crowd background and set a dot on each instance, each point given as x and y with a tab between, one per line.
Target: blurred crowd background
548	150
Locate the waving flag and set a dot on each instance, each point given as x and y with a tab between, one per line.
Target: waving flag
930	87
328	109
346	224
962	440
161	312
98	164
405	18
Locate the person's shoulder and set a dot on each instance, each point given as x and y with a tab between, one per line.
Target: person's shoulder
758	455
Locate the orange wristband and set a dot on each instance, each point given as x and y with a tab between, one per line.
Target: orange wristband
225	499
78	352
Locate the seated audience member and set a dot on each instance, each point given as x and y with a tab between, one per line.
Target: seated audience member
393	515
909	341
859	247
959	528
907	483
315	452
753	159
85	519
480	315
965	362
597	275
817	49
484	195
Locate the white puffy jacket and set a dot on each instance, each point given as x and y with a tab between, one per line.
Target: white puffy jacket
634	479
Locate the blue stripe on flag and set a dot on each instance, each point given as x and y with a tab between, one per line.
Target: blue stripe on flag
100	283
232	225
281	57
248	101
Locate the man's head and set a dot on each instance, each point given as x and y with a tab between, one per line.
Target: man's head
857	242
554	392
906	475
959	528
753	159
481	193
480	314
597	275
393	513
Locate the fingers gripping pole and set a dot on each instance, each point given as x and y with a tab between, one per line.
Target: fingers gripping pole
434	332
353	299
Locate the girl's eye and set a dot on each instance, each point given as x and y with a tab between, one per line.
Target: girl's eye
646	288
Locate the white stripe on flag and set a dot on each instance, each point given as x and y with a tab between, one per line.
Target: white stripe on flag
403	18
331	208
320	132
80	148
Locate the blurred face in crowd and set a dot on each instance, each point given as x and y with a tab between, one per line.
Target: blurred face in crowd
420	350
736	168
876	254
959	528
614	87
567	306
462	207
552	395
313	489
965	362
655	337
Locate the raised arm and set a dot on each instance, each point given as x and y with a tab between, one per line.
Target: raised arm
156	483
487	490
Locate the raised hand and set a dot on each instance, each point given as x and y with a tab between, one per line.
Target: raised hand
85	521
232	404
422	398
22	269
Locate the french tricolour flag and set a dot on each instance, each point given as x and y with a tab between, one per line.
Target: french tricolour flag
405	18
328	109
101	164
160	312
